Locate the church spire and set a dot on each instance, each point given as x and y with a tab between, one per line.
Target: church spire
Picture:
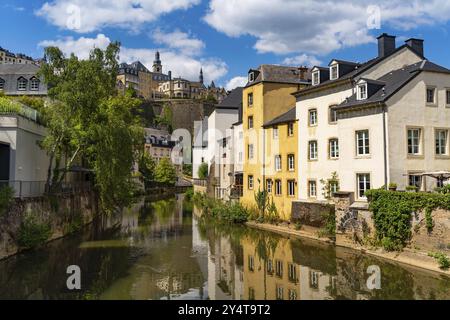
157	66
201	76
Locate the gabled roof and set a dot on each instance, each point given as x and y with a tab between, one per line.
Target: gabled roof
18	69
279	74
392	82
233	100
349	63
287	117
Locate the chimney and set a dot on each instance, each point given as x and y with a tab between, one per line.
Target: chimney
170	75
303	72
386	45
416	45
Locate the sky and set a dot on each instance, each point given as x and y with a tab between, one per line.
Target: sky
224	37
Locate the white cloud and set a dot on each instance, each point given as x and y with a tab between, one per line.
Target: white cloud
180	64
236	82
301	60
317	27
180	41
87	16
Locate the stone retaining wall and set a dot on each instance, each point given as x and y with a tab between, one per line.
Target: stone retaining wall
311	214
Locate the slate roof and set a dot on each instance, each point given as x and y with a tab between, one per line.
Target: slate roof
233	100
393	82
11	73
289	116
279	74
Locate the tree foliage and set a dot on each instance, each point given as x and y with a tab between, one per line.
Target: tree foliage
89	124
165	172
203	171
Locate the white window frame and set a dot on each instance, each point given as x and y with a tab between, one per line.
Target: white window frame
291	162
365	143
2	84
278	164
275	132
313	117
312	188
439	144
269	185
251	77
335	67
22	84
411	152
415	176
34	84
434	102
313	150
334	148
367	184
316	78
250	99
362	95
250	120
291	188
290	129
251	151
330	113
278	187
251	182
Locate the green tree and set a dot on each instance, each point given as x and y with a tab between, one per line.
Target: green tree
165	119
89	123
165	172
147	167
203	171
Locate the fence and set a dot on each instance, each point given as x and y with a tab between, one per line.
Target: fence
34	189
200	182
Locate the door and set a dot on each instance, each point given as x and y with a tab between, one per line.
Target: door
5	153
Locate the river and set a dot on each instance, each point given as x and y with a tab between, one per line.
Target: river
162	250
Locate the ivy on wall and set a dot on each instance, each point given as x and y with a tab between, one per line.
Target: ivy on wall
392	214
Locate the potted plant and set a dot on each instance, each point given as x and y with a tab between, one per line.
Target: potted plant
412	188
392	187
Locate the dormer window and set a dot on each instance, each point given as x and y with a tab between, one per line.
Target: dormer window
22	84
334	71
362	91
251	77
316	78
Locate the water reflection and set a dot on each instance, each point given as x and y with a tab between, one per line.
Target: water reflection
160	250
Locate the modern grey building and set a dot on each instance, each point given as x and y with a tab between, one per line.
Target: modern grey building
21	80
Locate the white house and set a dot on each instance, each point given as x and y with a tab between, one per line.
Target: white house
380	122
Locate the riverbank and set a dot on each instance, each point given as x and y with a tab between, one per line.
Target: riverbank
408	256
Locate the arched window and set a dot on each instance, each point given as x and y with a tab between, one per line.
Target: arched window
34	84
22	84
2	84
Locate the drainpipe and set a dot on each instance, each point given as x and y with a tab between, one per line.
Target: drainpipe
264	160
385	147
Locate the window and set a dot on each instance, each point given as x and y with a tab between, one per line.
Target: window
250	151
313	117
316	78
270	266
279	268
291	188
278	188
312	150
414	136
250	99
447	94
333	115
275	132
292	294
312	189
431	95
251	77
22	84
250	122
279	292
251	263
269	185
314	280
292	272
291	162
363	181
334	72
334	149
415	181
251	293
362	91
277	163
362	143
290	129
441	142
2	84
250	182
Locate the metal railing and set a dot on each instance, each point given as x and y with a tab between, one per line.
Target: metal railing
200	182
35	189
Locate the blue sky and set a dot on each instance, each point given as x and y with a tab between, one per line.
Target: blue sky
225	37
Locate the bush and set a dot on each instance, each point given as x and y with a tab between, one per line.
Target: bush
33	233
189	194
442	259
228	212
6	198
203	171
165	172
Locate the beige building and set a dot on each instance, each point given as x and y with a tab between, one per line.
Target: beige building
384	121
7	57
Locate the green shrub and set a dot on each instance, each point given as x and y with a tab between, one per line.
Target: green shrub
444	190
6	199
228	212
442	259
189	194
329	230
33	233
203	171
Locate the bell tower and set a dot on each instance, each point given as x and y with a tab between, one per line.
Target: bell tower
157	66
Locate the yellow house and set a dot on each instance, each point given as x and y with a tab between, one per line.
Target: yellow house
267	96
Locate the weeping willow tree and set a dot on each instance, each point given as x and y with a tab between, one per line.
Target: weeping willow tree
89	123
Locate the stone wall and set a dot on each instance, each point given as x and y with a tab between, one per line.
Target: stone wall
311	214
62	213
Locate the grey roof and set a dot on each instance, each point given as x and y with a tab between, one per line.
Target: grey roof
279	74
358	70
289	116
350	63
11	73
393	82
233	100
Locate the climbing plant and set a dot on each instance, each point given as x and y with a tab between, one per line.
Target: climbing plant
330	185
392	214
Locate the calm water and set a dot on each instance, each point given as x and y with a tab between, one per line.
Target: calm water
160	250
